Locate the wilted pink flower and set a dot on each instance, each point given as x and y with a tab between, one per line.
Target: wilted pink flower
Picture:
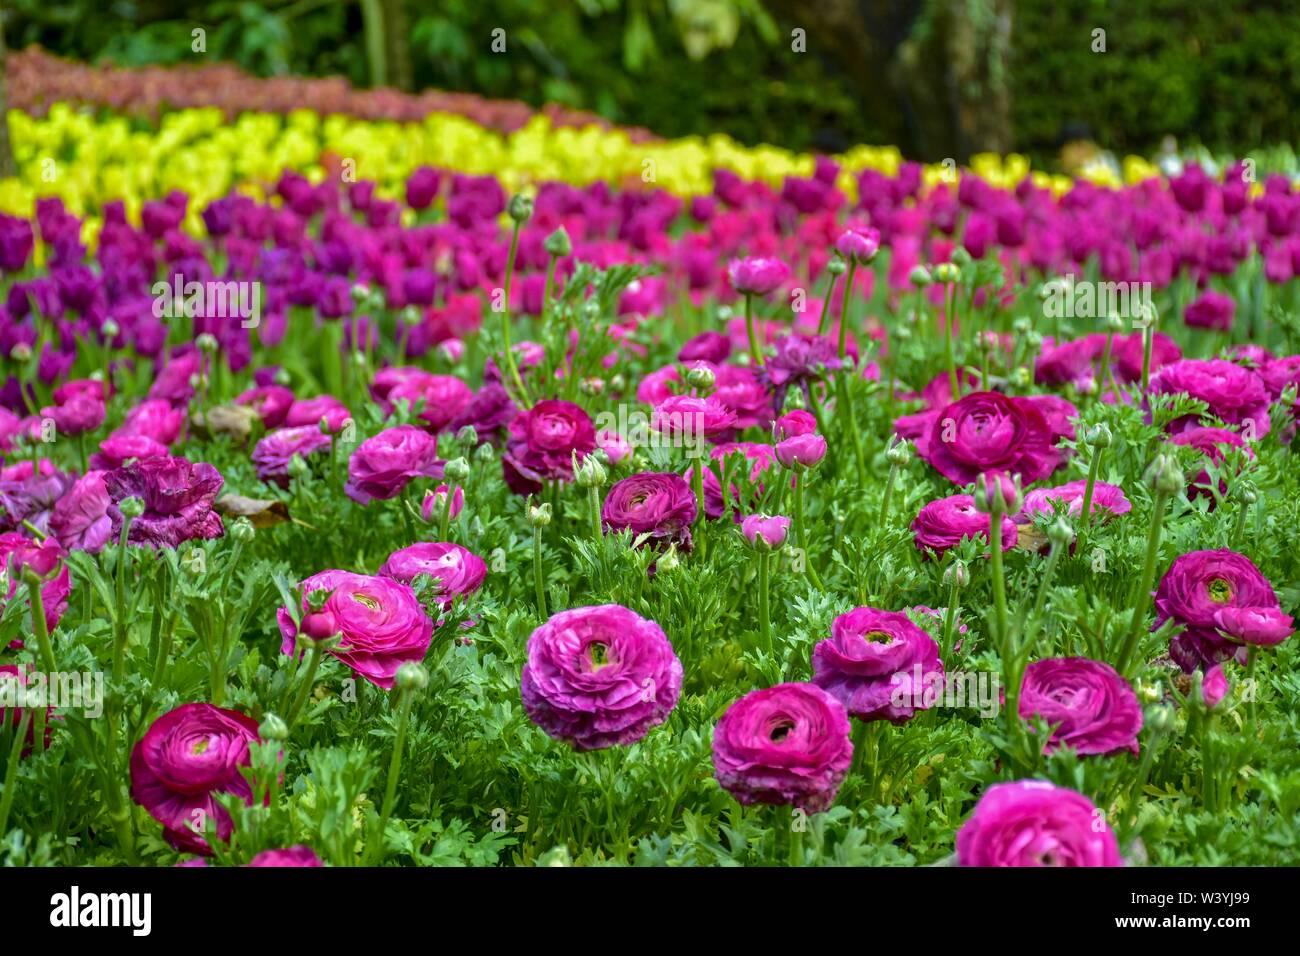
187	757
787	744
879	665
1089	707
380	619
599	677
382	466
272	454
80	518
1035	823
178	495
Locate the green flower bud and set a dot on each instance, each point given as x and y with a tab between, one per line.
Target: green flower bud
411	315
920	276
360	293
1159	718
1098	436
132	507
1021	377
520	208
456	470
1164	476
110	329
592	386
898	453
958	574
298	467
21	352
837	267
557	243
485	453
242	530
590	473
411	677
669	562
946	272
1114	324
1021	325
468	435
207	342
1060	533
273	728
700	376
539	516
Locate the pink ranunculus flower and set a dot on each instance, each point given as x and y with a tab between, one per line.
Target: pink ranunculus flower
787	744
599	677
793	424
81	413
614	445
710	346
274	451
543	443
12	716
435	502
658	506
1193	592
1211	310
858	244
381	623
1262	626
879	665
80	518
382	466
1210	442
187	757
312	411
801	451
765	532
1234	394
457	570
757	275
445	398
271	402
18	552
294	856
692	419
153	418
1107	500
1088	705
989	432
178	496
118	449
1214	686
1035	823
946	522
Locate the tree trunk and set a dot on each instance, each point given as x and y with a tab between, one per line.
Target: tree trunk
397	39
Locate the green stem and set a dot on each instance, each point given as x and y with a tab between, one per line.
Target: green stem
1148	336
844	309
550	282
511	367
1143	597
949	308
755	350
999	582
119	619
949	622
803	533
394	771
40	625
444	525
825	319
593	496
538	580
764	610
304	689
697	485
11	769
1093	468
889	493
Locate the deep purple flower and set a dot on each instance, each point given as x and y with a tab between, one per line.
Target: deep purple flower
178	495
80	518
272	454
1212	310
542	444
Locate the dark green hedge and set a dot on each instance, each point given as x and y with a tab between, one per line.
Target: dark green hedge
1222	73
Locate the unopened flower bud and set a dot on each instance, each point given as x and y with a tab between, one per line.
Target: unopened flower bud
700	376
1098	436
456	470
485	453
360	293
21	352
1114	324
1164	476
1021	325
539	516
1060	533
132	507
898	453
998	493
592	386
468	435
590	473
669	562
520	208
207	342
958	574
411	676
411	315
242	530
946	272
557	243
1244	492
272	728
1021	377
110	329
920	276
837	267
1159	718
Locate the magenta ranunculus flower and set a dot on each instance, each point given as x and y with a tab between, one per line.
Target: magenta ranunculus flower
271	402
1210	442
787	744
1088	705
81	413
187	757
445	398
657	506
272	454
178	495
1196	588
153	418
1263	626
793	424
945	522
13	682
435	502
1234	394
312	411
708	346
542	445
1214	687
599	677
18	552
1107	500
692	419
80	518
879	665
1211	310
989	432
757	275
294	856
858	244
759	456
801	451
457	570
118	449
381	467
614	445
380	620
765	532
1035	823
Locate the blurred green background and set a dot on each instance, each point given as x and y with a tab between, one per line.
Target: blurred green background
936	77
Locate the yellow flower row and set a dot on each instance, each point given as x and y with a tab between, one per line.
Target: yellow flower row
89	160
